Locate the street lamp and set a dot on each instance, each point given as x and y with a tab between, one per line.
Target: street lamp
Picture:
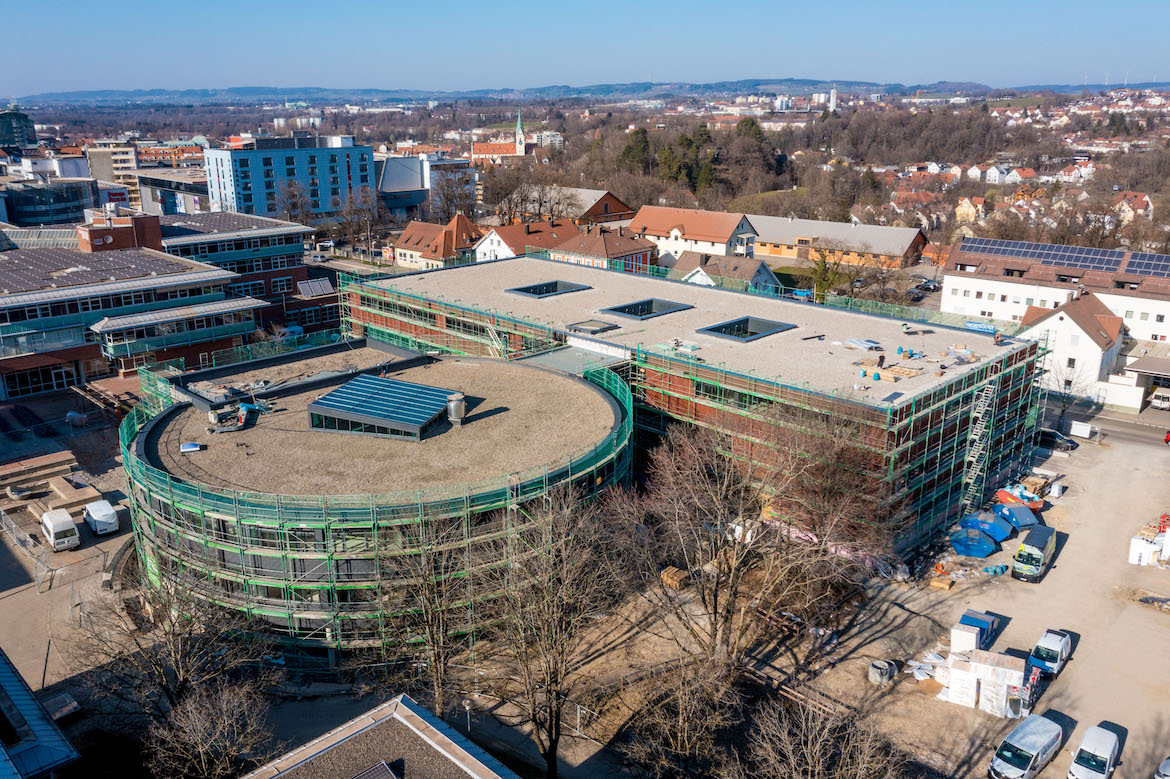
467	708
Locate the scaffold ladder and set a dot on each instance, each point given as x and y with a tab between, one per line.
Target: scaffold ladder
974	471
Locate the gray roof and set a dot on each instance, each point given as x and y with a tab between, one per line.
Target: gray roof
872	239
398	732
37	238
31	270
577	199
195	228
189	278
227	306
40	745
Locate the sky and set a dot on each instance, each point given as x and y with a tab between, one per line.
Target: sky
453	45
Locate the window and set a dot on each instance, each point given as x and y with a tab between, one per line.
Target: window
365	179
979	296
335	191
1129	315
985	314
1145	316
966	293
1068	385
1159	318
1029	301
1072	362
290	173
1043	304
282	285
242	163
289	161
954	291
266	162
312	159
1074	339
547	289
270	185
648	308
314	193
247	289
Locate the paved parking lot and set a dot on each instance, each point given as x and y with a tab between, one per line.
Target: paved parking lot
1118	672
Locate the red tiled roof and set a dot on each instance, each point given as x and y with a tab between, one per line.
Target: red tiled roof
695	225
605	244
440	242
543	235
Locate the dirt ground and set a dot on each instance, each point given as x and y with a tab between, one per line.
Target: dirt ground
1117	676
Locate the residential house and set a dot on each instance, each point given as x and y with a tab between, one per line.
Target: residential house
851	243
583	206
1019	176
514	240
977	172
995	175
1129	205
600	247
427	246
677	230
741	273
969	209
1084	339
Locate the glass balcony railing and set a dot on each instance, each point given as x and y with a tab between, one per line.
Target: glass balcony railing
168	340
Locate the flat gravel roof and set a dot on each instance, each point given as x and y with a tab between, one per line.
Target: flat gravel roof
518	417
814	351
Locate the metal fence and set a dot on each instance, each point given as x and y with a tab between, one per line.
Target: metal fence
42	571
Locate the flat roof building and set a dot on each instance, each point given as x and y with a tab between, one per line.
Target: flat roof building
33	746
708	356
52	299
166	191
284	518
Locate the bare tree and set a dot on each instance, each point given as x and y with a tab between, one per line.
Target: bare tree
187	644
791	741
554	579
774	519
681	719
451	193
1068	384
213	733
357	216
292	202
427	570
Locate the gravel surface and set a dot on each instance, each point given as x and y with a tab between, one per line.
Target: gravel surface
1117	675
518	417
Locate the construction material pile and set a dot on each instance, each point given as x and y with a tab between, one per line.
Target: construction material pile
1150	546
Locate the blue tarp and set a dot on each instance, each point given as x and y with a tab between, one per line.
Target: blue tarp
996	527
972	542
1019	515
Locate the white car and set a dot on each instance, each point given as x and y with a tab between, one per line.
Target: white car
1096	757
1051	652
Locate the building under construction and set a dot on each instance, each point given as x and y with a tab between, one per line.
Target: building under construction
945	414
297	486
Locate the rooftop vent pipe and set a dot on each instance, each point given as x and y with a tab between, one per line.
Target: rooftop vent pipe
456	409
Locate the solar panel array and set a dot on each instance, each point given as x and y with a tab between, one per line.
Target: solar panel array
314	287
384	399
1083	257
29	270
175	225
1144	264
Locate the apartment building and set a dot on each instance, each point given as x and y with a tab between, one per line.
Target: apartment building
115	161
678	230
307	177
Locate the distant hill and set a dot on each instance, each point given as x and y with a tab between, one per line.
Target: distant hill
638	90
634	90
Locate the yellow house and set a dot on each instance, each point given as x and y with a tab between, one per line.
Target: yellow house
850	243
970	209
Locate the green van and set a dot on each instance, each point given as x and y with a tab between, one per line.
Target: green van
1035	554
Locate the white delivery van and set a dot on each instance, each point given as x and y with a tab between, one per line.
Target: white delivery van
101	517
1027	749
59	530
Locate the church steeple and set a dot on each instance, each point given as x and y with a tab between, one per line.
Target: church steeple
519	134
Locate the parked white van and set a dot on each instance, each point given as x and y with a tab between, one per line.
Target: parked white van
59	530
101	517
1027	749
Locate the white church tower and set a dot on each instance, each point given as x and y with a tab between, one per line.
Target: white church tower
519	134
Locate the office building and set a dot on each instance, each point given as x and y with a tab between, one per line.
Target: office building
17	129
267	257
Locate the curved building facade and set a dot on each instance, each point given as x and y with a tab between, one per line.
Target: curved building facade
266	519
